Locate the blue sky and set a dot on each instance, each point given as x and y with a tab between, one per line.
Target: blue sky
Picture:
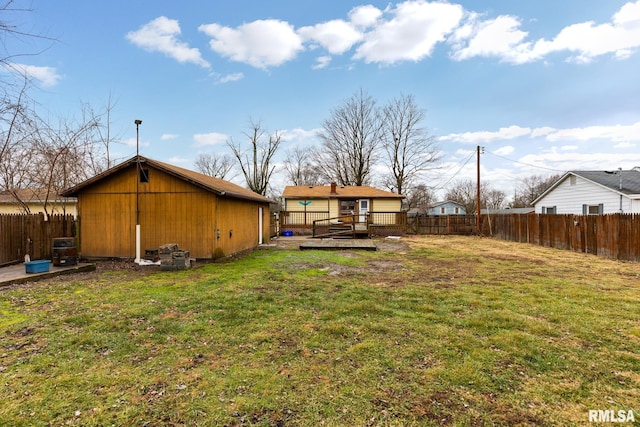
544	86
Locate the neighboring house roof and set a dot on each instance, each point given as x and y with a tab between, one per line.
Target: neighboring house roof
625	182
342	192
507	211
32	196
209	183
445	202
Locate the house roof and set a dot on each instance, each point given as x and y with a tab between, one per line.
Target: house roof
622	181
342	192
625	182
209	183
27	195
507	211
444	202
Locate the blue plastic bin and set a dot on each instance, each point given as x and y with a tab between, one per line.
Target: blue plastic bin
40	266
287	233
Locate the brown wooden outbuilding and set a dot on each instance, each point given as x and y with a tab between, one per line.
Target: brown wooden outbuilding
209	217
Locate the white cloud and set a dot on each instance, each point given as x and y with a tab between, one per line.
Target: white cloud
234	77
336	36
213	138
299	134
412	32
178	160
504	151
322	62
168	136
569	147
364	16
615	133
511	132
160	35
405	31
132	142
48	76
502	38
563	161
261	44
543	131
624	145
588	40
499	37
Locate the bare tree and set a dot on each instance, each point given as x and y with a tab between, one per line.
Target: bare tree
465	193
492	198
418	196
409	149
256	162
10	30
18	124
16	128
106	137
350	140
217	166
530	188
300	168
63	155
34	155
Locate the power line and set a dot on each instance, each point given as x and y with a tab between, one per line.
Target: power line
442	186
525	164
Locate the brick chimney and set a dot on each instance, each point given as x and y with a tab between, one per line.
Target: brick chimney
333	188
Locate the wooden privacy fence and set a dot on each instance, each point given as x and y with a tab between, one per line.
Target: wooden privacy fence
613	236
442	224
31	234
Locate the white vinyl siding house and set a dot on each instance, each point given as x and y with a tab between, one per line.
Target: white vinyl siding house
447	207
592	193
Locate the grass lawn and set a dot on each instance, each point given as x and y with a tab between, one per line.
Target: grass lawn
428	331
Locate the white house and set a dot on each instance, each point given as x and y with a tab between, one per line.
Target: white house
592	193
446	207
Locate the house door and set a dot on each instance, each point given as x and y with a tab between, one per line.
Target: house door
363	210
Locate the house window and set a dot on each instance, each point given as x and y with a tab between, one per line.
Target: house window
457	210
347	207
550	210
144	175
593	209
442	211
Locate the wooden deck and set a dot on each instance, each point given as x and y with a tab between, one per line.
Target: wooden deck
339	244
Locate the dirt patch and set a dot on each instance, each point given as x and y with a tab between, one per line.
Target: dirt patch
400	245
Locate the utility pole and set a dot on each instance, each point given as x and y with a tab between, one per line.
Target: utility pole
478	208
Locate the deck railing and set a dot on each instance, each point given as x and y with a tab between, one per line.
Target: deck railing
390	220
298	219
377	222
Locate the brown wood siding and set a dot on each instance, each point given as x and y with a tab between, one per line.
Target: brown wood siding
238	225
171	211
107	225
